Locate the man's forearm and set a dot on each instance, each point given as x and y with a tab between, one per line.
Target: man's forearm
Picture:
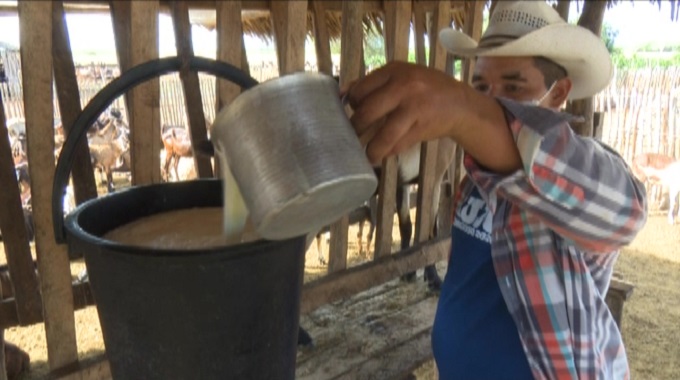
487	137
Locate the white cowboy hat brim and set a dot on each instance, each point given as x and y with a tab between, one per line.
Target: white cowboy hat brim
577	49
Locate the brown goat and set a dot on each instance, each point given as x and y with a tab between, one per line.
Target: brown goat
645	167
177	144
106	149
642	164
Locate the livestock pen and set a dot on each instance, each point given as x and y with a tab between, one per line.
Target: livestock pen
52	297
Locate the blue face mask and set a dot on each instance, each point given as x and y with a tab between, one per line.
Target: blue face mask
537	102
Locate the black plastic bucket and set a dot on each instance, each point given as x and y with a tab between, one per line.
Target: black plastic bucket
220	313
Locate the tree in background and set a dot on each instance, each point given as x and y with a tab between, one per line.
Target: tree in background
609	35
646	56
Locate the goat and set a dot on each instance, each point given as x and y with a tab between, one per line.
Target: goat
19	146
24	181
408	172
361	215
177	144
16	127
17	140
124	164
641	166
668	176
59	139
106	149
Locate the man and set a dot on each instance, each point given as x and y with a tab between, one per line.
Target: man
542	212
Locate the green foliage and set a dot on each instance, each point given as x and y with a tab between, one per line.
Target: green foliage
650	55
609	35
374	50
639	60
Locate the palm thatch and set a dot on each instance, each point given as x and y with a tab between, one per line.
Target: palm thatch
258	23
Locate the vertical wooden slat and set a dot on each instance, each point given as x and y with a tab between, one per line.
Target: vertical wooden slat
84	186
229	43
322	42
15	238
53	264
428	150
350	70
397	30
290	31
192	89
120	17
430	173
420	31
563	8
473	28
591	19
3	370
145	115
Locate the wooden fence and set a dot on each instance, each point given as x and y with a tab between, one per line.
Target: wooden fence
172	107
642	112
641	108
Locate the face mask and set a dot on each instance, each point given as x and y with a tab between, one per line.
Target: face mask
537	102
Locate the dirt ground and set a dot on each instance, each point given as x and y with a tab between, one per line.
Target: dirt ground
651	322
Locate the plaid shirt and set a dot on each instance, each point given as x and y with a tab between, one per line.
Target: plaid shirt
557	227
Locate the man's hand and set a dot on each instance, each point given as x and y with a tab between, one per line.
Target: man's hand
402	104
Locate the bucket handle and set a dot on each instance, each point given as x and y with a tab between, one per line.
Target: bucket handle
107	95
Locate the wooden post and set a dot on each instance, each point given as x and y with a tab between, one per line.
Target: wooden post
591	19
420	31
84	186
397	29
563	8
322	43
143	100
473	28
430	149
229	36
290	31
120	17
351	56
15	238
3	370
35	24
192	89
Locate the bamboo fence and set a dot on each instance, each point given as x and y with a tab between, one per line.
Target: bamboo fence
642	112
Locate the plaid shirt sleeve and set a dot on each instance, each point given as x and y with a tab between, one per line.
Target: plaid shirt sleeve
577	186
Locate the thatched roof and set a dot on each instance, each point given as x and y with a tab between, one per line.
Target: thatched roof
258	22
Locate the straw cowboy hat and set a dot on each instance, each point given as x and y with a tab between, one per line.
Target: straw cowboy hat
534	28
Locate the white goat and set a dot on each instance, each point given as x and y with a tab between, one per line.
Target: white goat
669	176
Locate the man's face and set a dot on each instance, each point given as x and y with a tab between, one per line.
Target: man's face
514	78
